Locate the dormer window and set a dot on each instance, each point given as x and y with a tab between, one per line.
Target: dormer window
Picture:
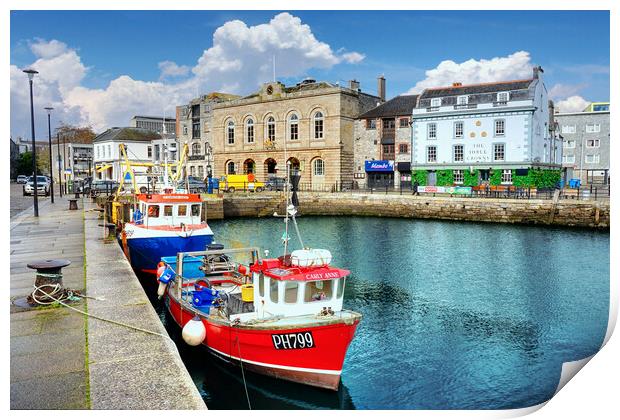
435	102
503	96
462	100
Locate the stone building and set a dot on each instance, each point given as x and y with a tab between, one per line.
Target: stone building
382	145
194	127
314	119
586	135
497	133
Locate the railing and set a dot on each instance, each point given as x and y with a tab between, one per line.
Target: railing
432	108
500	103
465	106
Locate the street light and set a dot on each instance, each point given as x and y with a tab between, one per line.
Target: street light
49	136
31	73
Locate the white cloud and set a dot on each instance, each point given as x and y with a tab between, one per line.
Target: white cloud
513	66
353	57
572	104
239	59
560	90
172	69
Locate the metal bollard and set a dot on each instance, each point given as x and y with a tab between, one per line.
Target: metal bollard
48	279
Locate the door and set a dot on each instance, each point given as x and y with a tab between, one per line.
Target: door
484	176
431	179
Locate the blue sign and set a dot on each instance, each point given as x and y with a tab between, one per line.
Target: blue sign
127	176
379	166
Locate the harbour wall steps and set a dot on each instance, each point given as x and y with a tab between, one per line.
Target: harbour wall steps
575	213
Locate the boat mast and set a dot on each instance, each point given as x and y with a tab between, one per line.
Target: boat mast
163	136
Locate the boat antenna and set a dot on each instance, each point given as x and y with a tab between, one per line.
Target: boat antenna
285	237
164	138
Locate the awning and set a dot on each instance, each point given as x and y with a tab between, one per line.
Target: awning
403	166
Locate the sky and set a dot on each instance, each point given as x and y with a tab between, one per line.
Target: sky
100	68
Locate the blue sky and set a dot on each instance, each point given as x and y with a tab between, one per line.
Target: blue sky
572	46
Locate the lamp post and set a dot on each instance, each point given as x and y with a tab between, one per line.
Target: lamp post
31	73
49	136
58	159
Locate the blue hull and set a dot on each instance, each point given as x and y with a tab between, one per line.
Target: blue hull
146	253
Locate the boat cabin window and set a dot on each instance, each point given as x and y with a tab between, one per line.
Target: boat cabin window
182	210
290	291
153	211
340	290
273	290
195	209
167	210
261	285
318	290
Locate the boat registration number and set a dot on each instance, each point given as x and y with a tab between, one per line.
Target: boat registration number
300	340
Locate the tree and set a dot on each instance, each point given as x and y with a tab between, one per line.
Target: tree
73	134
24	163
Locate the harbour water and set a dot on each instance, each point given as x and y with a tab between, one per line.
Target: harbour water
456	315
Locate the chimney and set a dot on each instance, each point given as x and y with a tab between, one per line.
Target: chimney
354	85
536	71
381	88
457	84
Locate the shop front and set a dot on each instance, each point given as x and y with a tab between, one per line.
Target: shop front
380	173
404	174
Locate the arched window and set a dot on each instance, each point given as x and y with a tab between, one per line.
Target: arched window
318	125
249	130
230	132
271	129
318	167
195	149
230	168
293	127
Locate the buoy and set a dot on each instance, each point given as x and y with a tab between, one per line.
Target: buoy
160	269
161	289
243	269
164	276
194	332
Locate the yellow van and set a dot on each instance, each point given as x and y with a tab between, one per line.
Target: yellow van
241	183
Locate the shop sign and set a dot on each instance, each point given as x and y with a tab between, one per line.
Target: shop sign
379	166
444	190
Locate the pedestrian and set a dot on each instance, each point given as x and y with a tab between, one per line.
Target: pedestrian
416	184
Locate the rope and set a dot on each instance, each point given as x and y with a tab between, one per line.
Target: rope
245	385
57	288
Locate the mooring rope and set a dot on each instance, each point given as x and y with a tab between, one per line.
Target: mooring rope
57	288
245	386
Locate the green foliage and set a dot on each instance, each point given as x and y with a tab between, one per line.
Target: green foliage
539	178
420	175
24	163
470	179
496	177
445	177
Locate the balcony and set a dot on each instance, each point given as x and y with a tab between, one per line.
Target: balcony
432	108
196	157
388	156
500	103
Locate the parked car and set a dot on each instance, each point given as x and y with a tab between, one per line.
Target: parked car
196	185
276	184
43	186
100	186
22	179
231	183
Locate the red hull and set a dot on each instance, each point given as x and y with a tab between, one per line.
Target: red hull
319	365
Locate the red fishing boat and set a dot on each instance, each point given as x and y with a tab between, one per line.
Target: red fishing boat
281	317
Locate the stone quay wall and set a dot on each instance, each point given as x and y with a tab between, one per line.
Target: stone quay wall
577	213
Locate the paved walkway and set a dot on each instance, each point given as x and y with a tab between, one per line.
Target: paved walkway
48	346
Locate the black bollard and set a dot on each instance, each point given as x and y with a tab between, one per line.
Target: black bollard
48	279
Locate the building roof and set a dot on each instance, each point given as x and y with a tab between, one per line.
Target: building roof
148	117
399	105
127	133
477	88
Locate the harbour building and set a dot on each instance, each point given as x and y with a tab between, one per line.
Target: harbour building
194	127
500	133
314	119
586	148
382	144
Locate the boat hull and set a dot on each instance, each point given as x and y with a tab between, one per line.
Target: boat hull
146	247
253	346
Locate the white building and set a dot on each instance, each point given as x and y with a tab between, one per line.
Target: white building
484	130
108	161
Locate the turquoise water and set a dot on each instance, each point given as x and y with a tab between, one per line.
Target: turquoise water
456	315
